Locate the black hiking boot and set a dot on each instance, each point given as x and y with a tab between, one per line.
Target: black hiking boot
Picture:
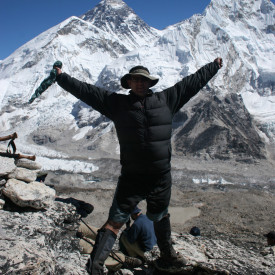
131	262
104	242
169	258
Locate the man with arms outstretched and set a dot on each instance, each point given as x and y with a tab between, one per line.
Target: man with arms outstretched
143	122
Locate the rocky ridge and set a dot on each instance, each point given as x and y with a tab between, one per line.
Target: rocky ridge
221	128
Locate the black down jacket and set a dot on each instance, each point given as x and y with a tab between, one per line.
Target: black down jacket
144	127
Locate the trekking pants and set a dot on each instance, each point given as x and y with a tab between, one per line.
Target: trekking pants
131	189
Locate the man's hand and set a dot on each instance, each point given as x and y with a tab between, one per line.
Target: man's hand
58	70
219	61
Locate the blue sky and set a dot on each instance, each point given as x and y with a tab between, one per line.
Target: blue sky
22	20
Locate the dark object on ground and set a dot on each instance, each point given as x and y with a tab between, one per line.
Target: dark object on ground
195	231
270	235
82	208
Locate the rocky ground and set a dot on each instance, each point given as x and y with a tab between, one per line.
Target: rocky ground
232	219
241	216
241	212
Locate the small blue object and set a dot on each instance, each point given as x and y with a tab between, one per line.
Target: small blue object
195	231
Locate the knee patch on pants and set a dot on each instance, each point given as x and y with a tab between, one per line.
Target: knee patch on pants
155	217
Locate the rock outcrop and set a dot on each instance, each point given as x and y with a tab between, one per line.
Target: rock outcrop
40	242
221	128
37	232
34	194
217	256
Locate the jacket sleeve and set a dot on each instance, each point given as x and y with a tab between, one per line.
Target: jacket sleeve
183	91
97	98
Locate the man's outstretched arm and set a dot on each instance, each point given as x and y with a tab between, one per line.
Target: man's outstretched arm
189	86
92	95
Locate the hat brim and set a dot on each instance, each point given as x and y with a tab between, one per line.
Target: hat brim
136	211
124	82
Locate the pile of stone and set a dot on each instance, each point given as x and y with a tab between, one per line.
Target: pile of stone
37	232
18	183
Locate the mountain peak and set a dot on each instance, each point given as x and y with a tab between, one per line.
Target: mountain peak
118	19
112	2
105	9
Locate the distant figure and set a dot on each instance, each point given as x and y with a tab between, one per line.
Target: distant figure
47	82
138	238
270	250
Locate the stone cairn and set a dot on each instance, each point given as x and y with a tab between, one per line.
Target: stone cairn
19	182
37	232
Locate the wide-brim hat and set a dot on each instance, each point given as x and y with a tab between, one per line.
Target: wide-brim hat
138	70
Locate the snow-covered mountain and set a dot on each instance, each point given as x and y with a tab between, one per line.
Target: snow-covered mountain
232	118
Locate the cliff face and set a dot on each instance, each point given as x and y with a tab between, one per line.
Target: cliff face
219	129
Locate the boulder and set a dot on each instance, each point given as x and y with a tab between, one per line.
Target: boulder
3	148
23	174
44	242
35	194
28	164
7	166
40	242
